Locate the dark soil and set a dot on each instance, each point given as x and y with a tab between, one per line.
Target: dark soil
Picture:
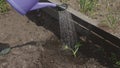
37	47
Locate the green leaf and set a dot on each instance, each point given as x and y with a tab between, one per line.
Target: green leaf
118	63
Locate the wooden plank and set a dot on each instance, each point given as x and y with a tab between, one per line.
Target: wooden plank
97	39
98	31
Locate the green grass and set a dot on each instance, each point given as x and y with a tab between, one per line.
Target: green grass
87	5
111	20
3	6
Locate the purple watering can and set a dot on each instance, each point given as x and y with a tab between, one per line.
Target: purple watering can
24	6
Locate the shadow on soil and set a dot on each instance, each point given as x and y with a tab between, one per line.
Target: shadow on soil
86	52
5	45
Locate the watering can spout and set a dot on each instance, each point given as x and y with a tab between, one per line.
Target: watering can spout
43	5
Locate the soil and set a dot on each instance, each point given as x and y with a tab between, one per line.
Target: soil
37	47
101	11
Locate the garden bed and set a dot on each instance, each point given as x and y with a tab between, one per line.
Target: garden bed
38	47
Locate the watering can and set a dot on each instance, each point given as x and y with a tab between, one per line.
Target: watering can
24	6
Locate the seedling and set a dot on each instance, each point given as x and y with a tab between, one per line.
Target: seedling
118	63
75	50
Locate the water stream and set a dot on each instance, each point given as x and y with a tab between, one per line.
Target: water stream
67	29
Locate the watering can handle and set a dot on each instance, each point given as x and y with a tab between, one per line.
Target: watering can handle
43	5
46	4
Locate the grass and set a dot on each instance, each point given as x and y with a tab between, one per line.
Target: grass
3	7
111	20
87	5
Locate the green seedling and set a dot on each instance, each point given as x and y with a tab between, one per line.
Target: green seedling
75	50
118	63
87	5
3	6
